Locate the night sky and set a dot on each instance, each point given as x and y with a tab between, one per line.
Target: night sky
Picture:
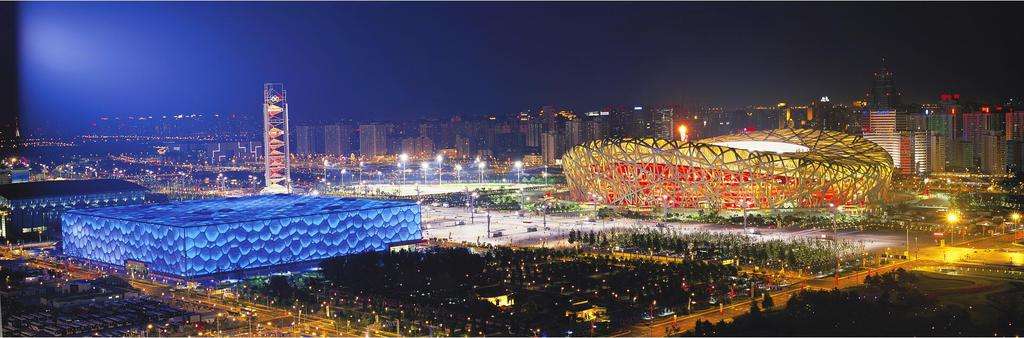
406	60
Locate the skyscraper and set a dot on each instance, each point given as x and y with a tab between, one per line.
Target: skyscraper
549	148
573	133
992	154
662	122
303	139
937	153
373	139
881	129
883	94
338	139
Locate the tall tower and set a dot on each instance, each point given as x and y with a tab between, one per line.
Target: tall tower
275	140
883	95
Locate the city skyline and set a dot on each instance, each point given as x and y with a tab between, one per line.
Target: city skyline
506	169
496	58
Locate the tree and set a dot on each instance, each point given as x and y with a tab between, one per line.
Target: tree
280	287
755	311
767	302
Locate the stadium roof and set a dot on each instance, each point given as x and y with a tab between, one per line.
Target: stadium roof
43	189
236	209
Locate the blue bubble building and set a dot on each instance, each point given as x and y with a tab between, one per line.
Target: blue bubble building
207	237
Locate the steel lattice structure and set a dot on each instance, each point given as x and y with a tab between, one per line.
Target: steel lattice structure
782	168
275	139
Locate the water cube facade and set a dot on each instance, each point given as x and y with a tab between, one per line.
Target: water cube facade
198	238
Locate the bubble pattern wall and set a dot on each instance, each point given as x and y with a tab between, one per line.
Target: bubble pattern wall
198	238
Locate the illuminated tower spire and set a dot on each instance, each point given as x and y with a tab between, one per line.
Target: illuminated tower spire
275	140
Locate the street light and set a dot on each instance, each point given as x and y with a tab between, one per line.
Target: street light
519	168
481	165
402	158
440	163
425	166
952	217
458	169
360	171
1015	217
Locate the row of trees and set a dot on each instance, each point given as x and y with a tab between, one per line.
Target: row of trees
889	305
809	253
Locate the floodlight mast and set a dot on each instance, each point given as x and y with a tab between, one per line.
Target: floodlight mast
277	172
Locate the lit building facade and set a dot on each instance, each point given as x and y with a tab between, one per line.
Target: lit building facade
881	129
206	237
31	211
783	168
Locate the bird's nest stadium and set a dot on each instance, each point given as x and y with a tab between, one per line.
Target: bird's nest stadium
773	169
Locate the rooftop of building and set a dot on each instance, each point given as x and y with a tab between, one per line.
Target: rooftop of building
237	209
44	189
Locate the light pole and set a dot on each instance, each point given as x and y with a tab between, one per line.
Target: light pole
458	170
402	158
425	166
360	171
952	217
481	165
440	163
1015	217
472	207
519	169
835	240
343	172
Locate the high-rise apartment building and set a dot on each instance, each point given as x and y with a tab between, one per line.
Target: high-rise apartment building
573	133
304	139
338	139
881	129
661	125
993	153
373	139
937	145
419	147
550	148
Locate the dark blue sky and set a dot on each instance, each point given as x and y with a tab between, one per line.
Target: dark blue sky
401	60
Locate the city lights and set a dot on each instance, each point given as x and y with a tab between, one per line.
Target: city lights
636	177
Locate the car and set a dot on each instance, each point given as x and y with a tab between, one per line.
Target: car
460	222
531	229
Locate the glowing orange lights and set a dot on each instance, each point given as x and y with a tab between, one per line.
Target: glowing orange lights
683	133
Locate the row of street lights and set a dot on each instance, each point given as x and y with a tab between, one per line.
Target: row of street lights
425	167
480	165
